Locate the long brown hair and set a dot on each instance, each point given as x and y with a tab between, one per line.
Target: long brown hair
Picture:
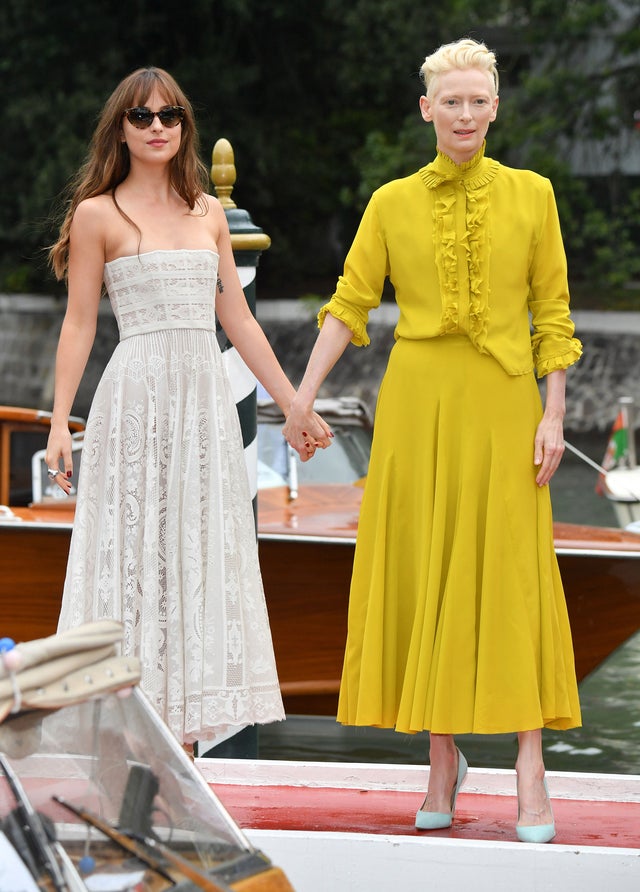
108	162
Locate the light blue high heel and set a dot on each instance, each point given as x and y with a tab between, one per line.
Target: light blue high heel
439	820
537	833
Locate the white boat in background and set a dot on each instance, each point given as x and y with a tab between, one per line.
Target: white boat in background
619	477
623	491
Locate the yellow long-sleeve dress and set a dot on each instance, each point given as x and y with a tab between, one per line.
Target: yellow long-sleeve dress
457	617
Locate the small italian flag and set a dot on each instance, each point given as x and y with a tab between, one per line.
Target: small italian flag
616	448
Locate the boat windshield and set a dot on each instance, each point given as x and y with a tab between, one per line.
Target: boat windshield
112	763
346	461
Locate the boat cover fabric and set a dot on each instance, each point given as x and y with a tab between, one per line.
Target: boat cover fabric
66	668
164	533
457	616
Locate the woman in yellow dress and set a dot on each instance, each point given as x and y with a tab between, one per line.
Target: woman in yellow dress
457	618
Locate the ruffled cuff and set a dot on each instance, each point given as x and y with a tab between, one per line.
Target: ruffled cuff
571	354
351	319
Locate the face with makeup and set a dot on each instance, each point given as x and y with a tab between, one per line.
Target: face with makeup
460	103
150	135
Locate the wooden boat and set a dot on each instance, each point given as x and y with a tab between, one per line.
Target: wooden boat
306	553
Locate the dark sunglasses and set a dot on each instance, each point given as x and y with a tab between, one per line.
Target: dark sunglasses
142	117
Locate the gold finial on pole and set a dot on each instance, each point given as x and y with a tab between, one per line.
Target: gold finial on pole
223	172
245	235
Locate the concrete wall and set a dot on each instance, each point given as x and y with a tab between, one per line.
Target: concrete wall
29	328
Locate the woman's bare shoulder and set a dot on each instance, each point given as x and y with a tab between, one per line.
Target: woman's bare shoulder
214	214
94	210
211	204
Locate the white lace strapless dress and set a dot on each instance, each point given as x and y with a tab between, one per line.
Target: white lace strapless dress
164	533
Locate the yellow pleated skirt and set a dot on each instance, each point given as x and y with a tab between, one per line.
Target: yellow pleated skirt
457	617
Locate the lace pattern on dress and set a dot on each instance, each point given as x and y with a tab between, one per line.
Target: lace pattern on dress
164	535
163	289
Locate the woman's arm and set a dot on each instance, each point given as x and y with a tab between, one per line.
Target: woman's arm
329	347
86	270
553	343
549	440
250	341
344	318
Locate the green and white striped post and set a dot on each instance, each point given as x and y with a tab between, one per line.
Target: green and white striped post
248	242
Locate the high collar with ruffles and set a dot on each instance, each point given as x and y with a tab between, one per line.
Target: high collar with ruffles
445	177
478	171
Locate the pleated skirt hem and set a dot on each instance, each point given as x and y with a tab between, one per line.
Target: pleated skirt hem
457	616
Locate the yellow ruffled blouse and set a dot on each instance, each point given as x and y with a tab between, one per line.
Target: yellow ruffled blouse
472	249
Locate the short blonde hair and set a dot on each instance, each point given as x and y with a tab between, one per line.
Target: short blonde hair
461	54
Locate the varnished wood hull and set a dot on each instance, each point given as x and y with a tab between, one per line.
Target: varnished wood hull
306	580
33	562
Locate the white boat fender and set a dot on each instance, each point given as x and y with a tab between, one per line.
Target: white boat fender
7	514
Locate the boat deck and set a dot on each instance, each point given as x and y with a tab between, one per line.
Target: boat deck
389	811
295	811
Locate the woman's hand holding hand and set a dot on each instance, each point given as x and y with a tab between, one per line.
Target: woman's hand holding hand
305	431
548	446
59	449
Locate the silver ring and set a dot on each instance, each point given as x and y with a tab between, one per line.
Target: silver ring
52	472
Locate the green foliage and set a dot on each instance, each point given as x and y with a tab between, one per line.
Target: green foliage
577	90
382	159
602	245
319	101
612	243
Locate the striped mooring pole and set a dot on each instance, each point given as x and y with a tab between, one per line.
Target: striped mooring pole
248	242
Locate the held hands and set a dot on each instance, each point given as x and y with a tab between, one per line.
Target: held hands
306	431
59	448
548	447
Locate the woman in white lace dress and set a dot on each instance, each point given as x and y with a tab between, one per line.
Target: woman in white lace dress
164	535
